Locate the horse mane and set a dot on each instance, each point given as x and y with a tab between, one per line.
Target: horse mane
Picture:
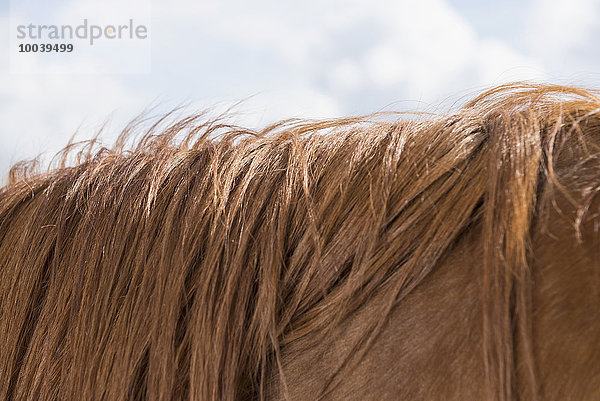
181	267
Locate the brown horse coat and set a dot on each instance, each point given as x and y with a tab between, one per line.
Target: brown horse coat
448	257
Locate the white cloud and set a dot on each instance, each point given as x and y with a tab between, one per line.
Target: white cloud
497	62
563	35
346	75
40	112
393	50
308	59
557	26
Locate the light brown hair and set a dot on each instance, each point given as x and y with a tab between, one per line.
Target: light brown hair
213	262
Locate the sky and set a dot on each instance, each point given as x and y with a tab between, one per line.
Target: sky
282	59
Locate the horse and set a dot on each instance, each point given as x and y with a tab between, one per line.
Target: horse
448	256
